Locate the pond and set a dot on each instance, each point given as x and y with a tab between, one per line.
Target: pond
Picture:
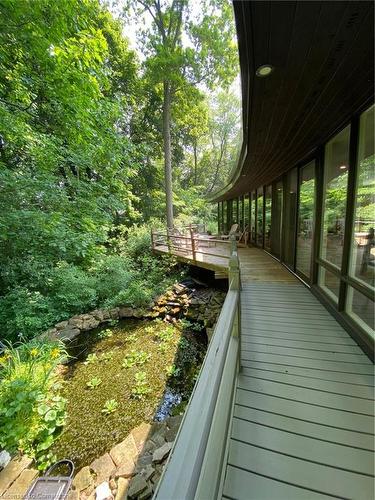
123	375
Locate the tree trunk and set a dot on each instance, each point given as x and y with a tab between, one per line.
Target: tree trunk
195	163
167	152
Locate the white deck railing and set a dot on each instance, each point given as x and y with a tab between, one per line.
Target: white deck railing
194	469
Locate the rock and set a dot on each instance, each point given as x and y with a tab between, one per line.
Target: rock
83	479
68	334
114	313
61	325
174	421
140	435
49	334
136	486
4	459
106	315
22	484
76	322
103	492
161	453
122	488
89	323
72	495
125	312
145	493
112	484
97	314
103	468
148	472
126	450
149	446
159	439
126	469
143	462
12	471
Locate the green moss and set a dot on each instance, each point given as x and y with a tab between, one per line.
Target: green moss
89	433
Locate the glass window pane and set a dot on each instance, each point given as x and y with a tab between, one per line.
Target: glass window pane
306	208
336	165
267	234
240	213
330	283
234	211
252	221
259	217
361	309
277	205
246	212
362	264
290	217
225	216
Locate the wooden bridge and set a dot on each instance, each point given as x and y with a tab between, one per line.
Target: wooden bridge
284	404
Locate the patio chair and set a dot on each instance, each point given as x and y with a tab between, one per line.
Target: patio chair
233	230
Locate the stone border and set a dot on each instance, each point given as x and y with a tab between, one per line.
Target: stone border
131	470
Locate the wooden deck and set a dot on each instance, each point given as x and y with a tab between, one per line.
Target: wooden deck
302	423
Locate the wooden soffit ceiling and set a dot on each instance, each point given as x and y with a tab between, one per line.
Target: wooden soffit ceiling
323	59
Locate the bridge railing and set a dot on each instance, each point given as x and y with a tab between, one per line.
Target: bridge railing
189	243
196	462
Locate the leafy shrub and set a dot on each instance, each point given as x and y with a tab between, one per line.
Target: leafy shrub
112	275
31	410
72	289
24	312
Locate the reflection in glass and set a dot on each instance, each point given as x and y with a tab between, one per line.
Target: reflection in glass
277	204
362	265
267	228
246	212
241	214
290	217
252	218
225	217
336	165
305	228
361	309
259	228
234	211
330	283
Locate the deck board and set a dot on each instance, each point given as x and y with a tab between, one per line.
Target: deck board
303	424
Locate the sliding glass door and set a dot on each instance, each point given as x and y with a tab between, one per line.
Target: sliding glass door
305	225
290	216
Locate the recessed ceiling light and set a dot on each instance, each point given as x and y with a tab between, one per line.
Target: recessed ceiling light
264	70
343	167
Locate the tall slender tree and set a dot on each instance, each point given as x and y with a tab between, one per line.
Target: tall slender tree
183	50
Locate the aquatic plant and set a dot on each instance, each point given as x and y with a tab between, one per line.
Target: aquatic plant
165	334
172	371
141	388
91	359
110	406
105	334
106	356
94	382
131	338
113	322
135	358
31	409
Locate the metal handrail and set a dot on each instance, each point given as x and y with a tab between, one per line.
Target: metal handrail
199	449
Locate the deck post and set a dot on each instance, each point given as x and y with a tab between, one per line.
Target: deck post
152	239
235	284
193	251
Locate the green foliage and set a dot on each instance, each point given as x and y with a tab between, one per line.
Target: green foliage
94	382
105	334
141	388
110	406
91	359
31	410
135	358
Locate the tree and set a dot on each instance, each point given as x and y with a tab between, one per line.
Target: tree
208	57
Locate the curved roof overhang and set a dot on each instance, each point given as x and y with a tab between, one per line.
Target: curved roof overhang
323	58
